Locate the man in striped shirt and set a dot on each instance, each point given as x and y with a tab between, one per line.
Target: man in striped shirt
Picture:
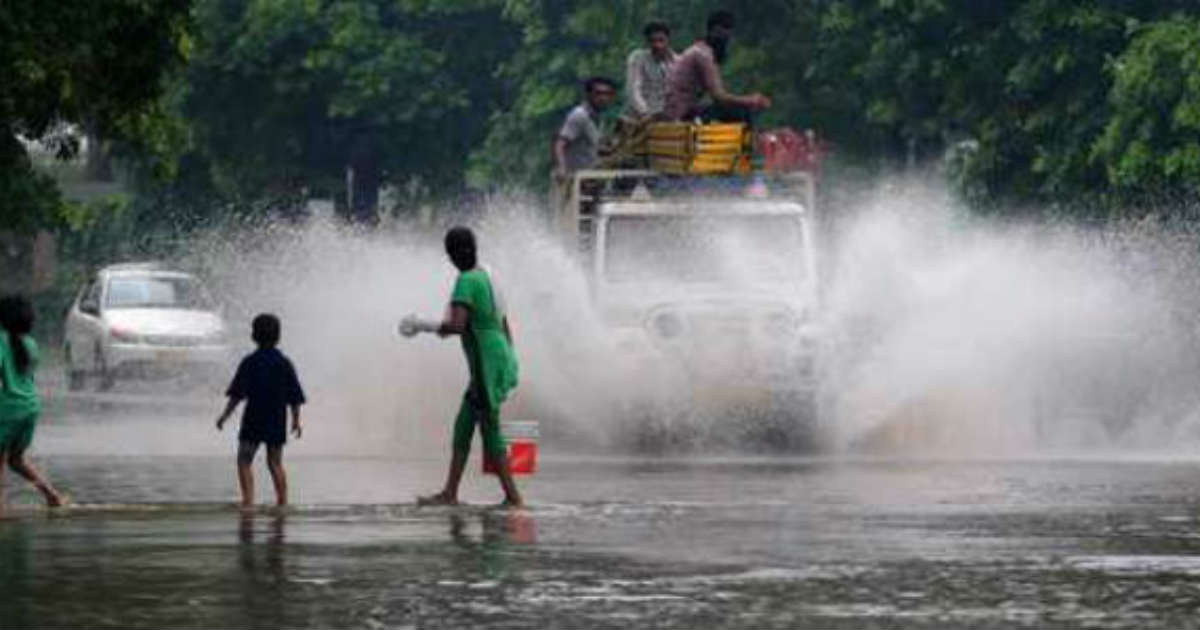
646	73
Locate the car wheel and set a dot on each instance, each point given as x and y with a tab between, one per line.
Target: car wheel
76	379
104	376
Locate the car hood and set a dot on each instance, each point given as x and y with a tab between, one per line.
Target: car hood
165	321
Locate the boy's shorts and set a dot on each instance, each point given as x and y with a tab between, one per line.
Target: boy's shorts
475	411
16	435
247	449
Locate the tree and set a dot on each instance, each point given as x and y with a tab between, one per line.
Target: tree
282	95
1028	82
97	64
1151	142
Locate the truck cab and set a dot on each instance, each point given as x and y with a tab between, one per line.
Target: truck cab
709	287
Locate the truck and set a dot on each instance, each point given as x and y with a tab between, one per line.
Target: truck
709	286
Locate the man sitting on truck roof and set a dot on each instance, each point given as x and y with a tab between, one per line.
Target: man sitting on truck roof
578	141
697	72
646	73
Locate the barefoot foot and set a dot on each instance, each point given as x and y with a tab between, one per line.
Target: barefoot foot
440	498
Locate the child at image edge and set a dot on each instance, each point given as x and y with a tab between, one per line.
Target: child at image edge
267	381
19	403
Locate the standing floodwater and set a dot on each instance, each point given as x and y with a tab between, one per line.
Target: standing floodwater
1014	431
624	542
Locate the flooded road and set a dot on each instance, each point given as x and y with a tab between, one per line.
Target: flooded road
154	542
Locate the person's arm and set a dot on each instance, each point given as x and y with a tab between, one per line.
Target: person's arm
633	81
710	75
237	391
296	420
229	407
295	397
508	331
456	321
560	155
573	127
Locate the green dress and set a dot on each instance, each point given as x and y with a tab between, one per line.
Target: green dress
19	402
491	360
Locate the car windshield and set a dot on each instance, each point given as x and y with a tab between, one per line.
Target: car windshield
727	249
178	292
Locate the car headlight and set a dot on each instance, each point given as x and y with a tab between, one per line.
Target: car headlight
124	335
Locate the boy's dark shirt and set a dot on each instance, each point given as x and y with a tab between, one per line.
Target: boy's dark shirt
268	383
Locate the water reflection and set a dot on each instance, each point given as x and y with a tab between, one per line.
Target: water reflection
496	529
262	566
15	575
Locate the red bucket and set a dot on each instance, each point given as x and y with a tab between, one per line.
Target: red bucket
522	439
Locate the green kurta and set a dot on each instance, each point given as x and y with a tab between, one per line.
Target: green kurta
490	357
18	393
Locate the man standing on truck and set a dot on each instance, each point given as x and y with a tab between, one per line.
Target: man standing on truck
646	73
577	144
697	72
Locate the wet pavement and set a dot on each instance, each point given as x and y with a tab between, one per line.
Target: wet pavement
607	542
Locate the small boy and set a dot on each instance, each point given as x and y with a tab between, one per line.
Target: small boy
267	381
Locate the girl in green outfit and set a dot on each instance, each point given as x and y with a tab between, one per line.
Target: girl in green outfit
479	320
19	404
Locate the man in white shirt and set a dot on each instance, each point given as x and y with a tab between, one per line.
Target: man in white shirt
647	70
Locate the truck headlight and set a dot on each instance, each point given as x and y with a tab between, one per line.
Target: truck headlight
780	324
667	325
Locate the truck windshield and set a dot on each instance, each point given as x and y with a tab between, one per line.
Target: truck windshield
179	292
727	249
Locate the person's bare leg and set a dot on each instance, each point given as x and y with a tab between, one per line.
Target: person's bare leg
278	476
449	493
512	496
21	466
246	483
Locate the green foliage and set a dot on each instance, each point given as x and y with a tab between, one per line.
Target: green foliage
282	95
94	63
1025	102
1026	95
1152	139
1032	101
28	199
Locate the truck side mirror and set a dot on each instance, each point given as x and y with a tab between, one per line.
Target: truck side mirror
90	306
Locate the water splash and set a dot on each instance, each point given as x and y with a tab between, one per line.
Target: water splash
965	336
949	334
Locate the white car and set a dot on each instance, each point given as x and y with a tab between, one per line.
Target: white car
142	320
